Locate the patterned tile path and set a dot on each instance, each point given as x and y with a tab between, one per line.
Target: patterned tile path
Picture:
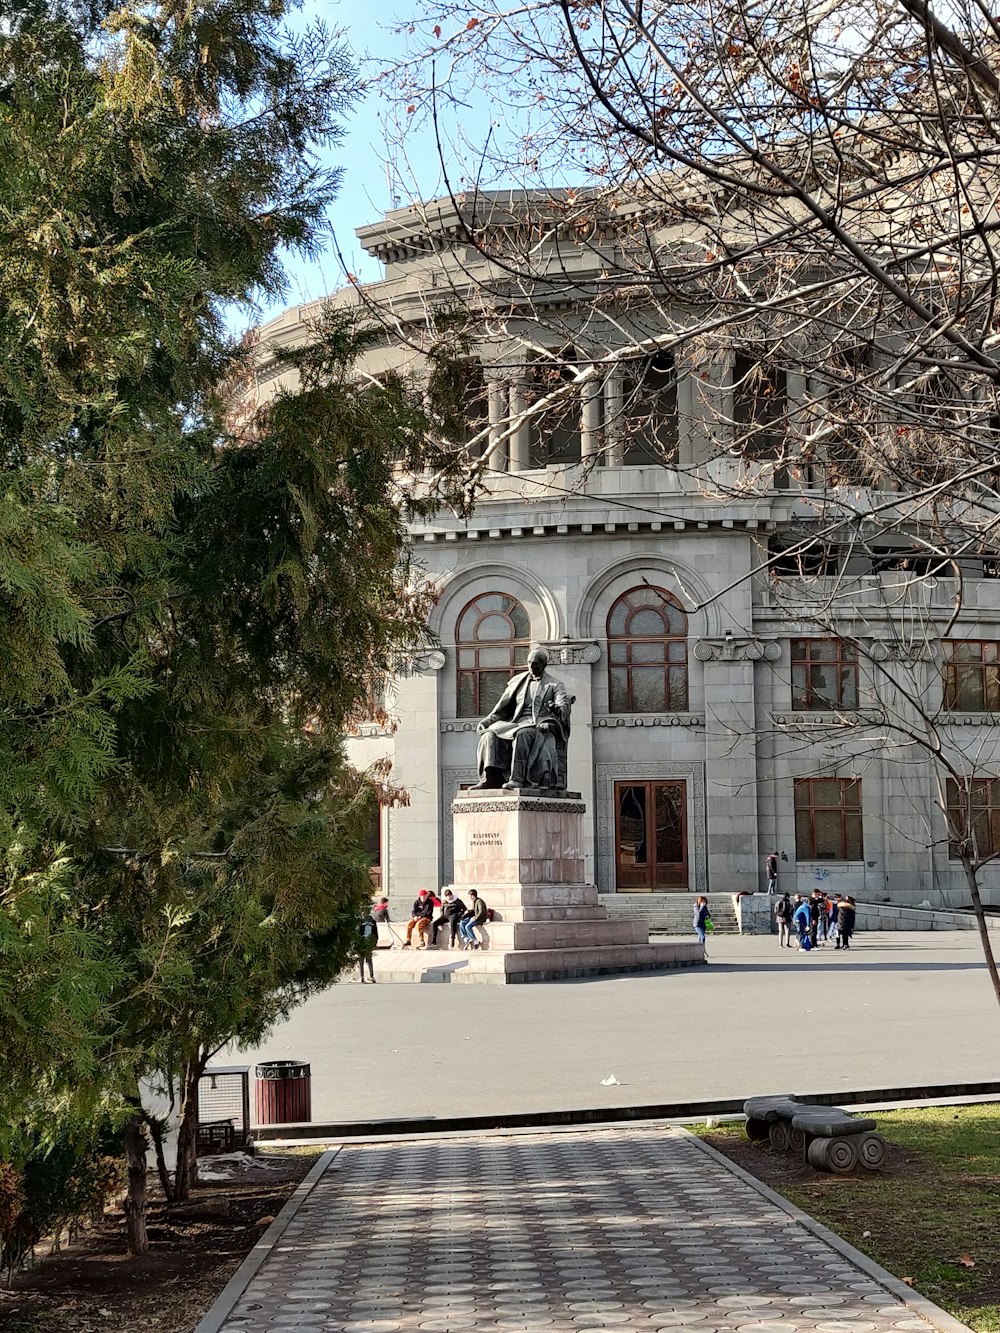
611	1231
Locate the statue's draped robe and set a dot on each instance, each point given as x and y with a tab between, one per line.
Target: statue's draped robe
514	740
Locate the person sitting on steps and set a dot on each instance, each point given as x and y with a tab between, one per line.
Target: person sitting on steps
452	911
475	916
421	915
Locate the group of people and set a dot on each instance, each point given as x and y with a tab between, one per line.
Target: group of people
464	924
815	920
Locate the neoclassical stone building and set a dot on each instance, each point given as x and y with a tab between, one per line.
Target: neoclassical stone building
713	722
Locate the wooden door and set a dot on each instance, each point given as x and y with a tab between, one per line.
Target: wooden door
651	837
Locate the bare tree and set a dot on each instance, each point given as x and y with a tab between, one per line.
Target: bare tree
754	240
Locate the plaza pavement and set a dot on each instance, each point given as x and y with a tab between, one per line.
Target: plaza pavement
898	1009
598	1231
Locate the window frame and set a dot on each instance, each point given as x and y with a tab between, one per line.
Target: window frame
979	667
518	651
989	811
670	669
809	700
814	788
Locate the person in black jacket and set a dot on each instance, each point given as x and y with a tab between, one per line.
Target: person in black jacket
846	916
367	942
815	906
421	915
783	916
452	911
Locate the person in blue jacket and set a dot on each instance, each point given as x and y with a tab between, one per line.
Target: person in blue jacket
802	919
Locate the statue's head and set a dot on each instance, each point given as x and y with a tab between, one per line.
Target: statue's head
538	660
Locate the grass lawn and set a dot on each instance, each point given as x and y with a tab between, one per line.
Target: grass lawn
932	1216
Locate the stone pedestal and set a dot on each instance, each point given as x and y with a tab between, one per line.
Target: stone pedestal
523	853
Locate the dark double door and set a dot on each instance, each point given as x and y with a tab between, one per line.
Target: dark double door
651	837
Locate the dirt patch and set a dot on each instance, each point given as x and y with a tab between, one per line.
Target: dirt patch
91	1286
929	1217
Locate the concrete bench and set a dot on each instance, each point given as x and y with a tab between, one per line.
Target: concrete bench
828	1137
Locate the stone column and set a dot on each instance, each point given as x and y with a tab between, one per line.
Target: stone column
614	425
591	419
572	661
520	438
497	390
730	757
415	833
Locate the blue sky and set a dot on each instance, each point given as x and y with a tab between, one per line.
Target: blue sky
364	192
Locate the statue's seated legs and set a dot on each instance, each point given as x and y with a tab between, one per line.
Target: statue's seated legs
520	775
494	760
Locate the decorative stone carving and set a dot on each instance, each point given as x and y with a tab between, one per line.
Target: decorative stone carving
651	720
892	650
522	802
736	648
573	652
427	659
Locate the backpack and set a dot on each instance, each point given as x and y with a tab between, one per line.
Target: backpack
489	914
806	943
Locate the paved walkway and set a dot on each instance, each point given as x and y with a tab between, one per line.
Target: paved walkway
898	1010
616	1231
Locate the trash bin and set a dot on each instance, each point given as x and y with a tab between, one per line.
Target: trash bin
284	1092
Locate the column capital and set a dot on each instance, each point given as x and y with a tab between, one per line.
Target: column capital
572	652
736	648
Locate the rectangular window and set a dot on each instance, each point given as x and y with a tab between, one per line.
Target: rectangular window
974	815
828	819
824	675
759	407
972	676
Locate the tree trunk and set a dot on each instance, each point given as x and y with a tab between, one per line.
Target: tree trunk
136	1145
156	1131
984	930
186	1174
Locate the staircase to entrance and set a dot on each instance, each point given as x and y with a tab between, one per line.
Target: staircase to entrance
671	913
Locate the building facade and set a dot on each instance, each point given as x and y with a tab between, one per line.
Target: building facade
732	698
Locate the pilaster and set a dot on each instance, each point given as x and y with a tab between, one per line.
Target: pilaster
731	756
414	833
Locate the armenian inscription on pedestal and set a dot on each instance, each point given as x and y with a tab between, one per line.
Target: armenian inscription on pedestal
516	839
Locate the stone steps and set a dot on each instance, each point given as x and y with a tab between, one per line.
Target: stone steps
671	913
510	967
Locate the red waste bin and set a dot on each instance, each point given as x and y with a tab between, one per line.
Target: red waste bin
284	1092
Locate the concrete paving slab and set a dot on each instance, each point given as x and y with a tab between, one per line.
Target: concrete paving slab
622	1231
900	1009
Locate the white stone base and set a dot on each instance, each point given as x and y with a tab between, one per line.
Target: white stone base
507	967
522	853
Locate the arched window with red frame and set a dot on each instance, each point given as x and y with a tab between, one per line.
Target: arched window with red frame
647	653
491	642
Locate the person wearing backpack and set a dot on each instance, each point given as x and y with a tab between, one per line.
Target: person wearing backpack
783	916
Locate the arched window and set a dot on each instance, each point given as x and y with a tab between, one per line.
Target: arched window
492	642
647	653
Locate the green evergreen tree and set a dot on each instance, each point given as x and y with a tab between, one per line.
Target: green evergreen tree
193	597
